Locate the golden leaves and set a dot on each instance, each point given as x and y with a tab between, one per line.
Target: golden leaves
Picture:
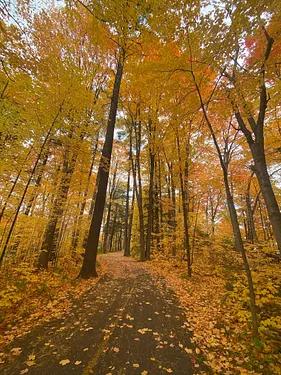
144	330
64	362
31	360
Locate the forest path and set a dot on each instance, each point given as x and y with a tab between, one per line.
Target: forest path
128	323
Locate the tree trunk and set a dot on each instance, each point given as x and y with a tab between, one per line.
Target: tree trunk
262	220
252	234
150	206
174	220
49	244
111	197
89	262
183	182
113	228
13	186
255	139
233	216
161	220
37	182
194	232
156	215
138	187
77	230
126	250
131	223
42	149
172	209
272	207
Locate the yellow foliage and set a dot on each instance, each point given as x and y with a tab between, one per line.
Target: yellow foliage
216	301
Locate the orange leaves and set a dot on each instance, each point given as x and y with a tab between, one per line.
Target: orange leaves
217	326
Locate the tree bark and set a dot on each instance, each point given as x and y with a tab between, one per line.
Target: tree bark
111	197
184	192
252	234
131	223
113	228
150	207
138	186
156	214
37	182
150	192
77	230
172	209
49	244
126	249
160	202
255	139
89	262
272	207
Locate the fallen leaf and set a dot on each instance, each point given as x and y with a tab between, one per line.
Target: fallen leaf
64	362
197	350
24	371
30	363
116	350
77	363
136	365
16	351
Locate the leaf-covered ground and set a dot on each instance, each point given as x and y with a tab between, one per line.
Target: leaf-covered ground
29	298
144	318
216	303
129	322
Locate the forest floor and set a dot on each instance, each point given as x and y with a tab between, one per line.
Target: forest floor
128	322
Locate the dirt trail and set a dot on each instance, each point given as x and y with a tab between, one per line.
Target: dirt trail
129	323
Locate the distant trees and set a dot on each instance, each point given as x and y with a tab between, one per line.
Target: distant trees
183	100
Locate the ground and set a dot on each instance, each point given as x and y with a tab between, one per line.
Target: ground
130	322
